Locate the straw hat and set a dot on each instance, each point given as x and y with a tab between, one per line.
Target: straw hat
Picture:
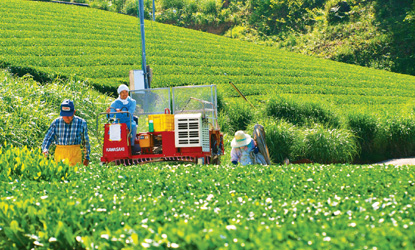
241	139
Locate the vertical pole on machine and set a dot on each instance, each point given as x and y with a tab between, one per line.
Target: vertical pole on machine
143	42
154	11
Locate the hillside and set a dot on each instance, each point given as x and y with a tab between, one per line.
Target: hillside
48	40
376	33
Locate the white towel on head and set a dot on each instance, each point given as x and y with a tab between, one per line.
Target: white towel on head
122	87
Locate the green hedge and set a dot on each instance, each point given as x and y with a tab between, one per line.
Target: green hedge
23	164
318	143
302	112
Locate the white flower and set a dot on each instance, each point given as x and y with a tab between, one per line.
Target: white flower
174	245
210	196
145	245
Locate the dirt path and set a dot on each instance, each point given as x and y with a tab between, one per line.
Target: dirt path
399	162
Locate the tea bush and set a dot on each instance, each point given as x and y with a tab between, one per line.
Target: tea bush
281	137
236	115
20	163
399	134
365	127
318	143
161	206
324	145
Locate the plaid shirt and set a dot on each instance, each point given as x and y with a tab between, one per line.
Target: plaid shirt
68	134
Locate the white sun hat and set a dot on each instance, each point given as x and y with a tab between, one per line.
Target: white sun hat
241	139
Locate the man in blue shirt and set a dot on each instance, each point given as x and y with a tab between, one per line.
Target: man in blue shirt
125	103
68	132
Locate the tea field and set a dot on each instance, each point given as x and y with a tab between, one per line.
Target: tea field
49	40
310	107
160	206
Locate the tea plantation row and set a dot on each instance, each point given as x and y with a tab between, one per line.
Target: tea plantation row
161	206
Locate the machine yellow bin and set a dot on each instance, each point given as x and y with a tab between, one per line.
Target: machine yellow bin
146	140
163	122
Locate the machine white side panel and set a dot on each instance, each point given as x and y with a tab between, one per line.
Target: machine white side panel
205	136
187	130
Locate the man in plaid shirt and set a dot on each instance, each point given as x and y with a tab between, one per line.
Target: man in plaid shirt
68	132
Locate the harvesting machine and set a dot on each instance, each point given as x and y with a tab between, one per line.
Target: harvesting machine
177	124
181	122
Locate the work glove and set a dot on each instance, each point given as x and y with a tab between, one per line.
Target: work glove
256	150
235	162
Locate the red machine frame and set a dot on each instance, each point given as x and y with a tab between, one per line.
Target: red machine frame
159	146
120	152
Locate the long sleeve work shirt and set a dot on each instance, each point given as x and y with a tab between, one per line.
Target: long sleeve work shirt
61	133
130	107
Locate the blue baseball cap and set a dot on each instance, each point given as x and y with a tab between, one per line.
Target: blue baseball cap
67	108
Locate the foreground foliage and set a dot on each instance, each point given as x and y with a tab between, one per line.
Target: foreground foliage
349	103
159	206
24	164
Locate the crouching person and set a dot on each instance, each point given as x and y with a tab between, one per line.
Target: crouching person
242	145
245	150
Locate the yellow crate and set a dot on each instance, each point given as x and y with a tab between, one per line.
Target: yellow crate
164	122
